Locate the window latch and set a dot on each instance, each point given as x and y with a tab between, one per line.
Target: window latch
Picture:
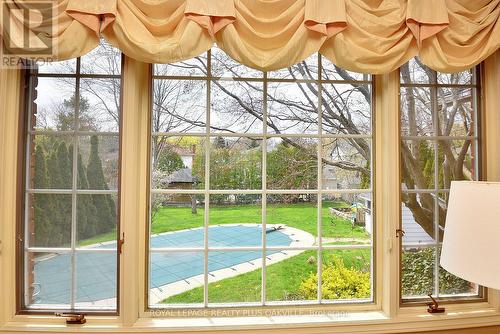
399	233
120	243
73	318
434	306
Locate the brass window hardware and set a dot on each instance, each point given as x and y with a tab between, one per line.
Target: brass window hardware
73	318
120	243
400	233
434	306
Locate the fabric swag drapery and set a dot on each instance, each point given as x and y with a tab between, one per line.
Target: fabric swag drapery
371	36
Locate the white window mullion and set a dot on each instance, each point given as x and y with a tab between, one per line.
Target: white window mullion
74	186
319	197
264	192
207	180
435	120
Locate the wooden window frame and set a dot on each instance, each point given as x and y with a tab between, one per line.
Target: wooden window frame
23	132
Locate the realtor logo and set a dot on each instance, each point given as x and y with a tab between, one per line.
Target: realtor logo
26	29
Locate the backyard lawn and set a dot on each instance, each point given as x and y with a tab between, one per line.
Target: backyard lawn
302	216
283	279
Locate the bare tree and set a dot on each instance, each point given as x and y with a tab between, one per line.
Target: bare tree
179	105
440	111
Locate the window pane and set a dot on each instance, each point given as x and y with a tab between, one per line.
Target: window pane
418	272
177	221
346	109
236	106
96	280
456	111
347	217
346	275
287	275
418	219
292	220
292	108
235	163
176	278
48	280
417	164
417	117
51	159
96	220
179	105
99	107
292	163
346	163
235	220
233	277
49	220
54	104
98	160
178	162
457	162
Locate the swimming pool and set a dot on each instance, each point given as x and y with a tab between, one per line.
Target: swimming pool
96	271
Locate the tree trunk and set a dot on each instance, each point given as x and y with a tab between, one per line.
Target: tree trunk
194	210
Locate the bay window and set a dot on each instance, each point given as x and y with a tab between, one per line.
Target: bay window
261	190
180	165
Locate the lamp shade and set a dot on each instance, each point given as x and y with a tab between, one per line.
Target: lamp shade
471	242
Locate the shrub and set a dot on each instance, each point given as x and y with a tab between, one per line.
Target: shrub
418	275
338	282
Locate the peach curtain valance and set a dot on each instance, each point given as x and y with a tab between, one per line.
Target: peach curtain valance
372	36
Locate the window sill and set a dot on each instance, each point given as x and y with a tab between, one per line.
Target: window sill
408	320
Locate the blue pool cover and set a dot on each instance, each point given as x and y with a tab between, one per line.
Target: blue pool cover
96	272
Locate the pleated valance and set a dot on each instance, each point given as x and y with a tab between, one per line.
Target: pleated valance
371	36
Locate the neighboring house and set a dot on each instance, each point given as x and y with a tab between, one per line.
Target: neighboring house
330	180
186	154
415	236
366	199
180	179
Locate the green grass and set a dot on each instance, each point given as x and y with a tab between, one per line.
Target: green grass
302	216
283	279
111	235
